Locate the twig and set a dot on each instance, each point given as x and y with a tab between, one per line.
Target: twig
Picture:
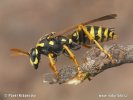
95	62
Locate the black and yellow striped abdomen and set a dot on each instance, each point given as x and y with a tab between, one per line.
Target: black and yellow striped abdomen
101	34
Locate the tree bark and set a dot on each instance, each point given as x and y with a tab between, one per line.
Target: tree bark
95	62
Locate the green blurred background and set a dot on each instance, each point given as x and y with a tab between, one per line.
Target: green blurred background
23	22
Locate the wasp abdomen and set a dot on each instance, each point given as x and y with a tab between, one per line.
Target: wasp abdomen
101	34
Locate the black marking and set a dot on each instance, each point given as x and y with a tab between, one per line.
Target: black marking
88	28
82	38
102	39
113	34
108	35
96	33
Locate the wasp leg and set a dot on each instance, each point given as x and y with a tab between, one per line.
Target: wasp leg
73	58
91	38
52	65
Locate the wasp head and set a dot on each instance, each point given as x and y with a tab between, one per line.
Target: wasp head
34	57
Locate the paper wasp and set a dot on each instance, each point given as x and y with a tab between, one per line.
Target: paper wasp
53	44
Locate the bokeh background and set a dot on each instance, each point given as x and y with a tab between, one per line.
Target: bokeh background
23	22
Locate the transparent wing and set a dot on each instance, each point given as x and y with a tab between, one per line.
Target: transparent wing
107	17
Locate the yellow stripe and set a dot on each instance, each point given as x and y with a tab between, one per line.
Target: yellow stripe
40	45
31	62
36	52
111	34
106	33
36	61
92	32
100	33
51	42
75	34
63	40
70	41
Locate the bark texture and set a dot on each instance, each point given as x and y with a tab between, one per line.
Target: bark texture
95	62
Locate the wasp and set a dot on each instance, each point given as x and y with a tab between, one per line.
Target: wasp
54	44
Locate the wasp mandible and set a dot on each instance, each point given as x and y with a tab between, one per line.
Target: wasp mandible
53	44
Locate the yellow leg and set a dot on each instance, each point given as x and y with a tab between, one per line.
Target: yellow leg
73	57
92	39
52	65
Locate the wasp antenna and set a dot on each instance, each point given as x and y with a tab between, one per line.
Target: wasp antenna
18	52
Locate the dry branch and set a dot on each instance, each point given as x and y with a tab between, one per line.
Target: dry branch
95	62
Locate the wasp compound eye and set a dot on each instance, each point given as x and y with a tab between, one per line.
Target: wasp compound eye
34	57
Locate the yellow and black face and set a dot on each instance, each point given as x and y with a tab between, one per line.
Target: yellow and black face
34	57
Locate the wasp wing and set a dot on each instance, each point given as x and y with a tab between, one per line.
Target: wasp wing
107	17
18	52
